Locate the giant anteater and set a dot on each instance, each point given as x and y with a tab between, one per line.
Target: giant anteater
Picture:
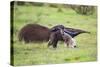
39	33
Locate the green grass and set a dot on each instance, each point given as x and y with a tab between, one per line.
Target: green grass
38	53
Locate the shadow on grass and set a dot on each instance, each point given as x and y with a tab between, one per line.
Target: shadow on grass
70	59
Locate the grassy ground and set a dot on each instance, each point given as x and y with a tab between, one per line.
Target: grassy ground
38	53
